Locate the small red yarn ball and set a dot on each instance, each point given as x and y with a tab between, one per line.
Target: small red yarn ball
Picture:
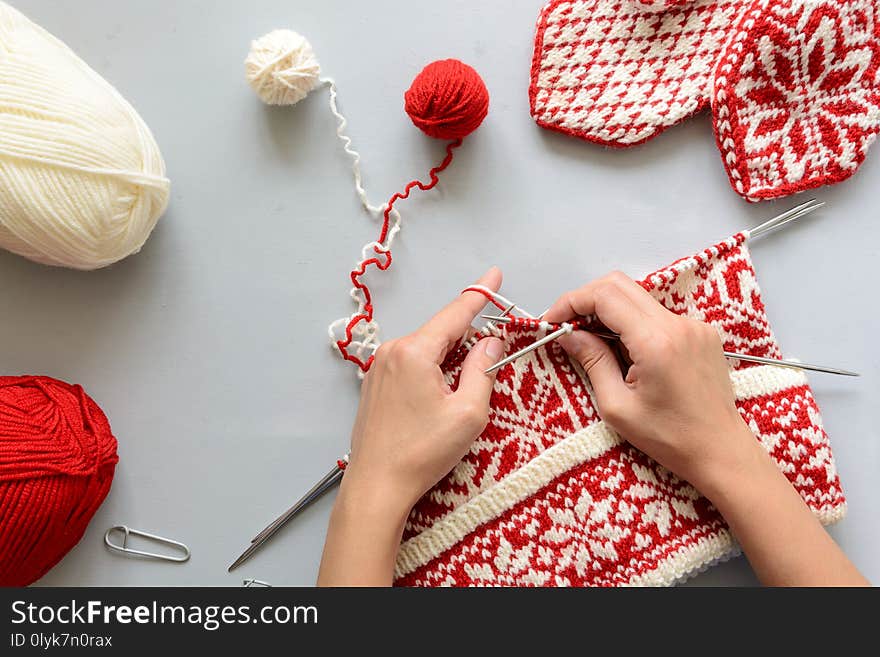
447	100
57	459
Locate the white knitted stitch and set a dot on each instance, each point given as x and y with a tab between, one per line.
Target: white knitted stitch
700	555
525	482
795	96
609	72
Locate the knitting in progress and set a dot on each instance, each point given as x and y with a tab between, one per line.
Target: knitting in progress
57	459
793	84
549	495
82	182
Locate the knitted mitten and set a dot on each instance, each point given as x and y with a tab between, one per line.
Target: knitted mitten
611	73
796	97
794	84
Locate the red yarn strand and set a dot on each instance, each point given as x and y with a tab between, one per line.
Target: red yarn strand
382	260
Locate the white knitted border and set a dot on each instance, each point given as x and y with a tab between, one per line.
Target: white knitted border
588	443
695	558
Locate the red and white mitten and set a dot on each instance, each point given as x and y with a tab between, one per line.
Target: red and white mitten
612	73
796	98
659	5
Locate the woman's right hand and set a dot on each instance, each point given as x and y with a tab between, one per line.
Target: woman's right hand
675	402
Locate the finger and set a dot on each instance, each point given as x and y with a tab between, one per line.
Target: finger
582	300
639	295
605	300
475	386
601	365
450	324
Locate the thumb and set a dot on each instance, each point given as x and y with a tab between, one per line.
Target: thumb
475	384
600	364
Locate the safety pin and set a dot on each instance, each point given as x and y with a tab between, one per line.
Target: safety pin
126	532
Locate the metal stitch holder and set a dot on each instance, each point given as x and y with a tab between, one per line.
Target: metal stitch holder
124	549
328	481
252	583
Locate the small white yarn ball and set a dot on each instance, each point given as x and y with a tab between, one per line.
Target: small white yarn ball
282	68
82	182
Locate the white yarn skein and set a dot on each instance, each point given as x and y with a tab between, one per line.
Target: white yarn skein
82	182
282	67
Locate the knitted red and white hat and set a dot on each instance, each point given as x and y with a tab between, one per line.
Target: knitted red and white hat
794	85
549	495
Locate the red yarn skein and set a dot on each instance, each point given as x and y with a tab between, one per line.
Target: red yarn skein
57	458
447	100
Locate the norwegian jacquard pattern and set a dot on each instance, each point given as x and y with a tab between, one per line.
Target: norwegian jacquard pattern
727	297
538	401
549	495
797	95
659	5
612	73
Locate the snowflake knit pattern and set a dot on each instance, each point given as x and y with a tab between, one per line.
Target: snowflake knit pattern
549	495
793	84
797	95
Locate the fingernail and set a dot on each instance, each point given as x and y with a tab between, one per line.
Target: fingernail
487	272
494	349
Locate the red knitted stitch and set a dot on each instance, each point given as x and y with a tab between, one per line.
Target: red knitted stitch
794	84
613	74
797	95
659	5
615	517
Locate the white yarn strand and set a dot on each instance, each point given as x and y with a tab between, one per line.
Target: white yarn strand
282	69
366	334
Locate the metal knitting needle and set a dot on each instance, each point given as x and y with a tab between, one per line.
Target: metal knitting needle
506	320
793	364
550	337
789	215
326	483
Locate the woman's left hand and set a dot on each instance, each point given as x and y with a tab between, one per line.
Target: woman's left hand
411	430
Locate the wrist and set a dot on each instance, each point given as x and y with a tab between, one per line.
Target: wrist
739	465
364	497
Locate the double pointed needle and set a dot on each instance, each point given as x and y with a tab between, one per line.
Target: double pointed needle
550	337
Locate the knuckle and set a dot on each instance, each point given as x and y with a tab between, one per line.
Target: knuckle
612	411
617	277
571	299
406	350
383	353
473	416
605	290
663	343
